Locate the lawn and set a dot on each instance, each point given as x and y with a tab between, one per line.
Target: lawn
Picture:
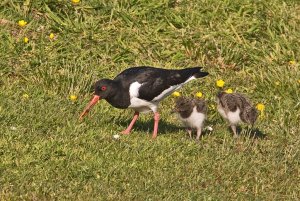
46	153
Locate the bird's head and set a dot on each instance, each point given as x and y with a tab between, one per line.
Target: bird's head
251	115
103	89
182	104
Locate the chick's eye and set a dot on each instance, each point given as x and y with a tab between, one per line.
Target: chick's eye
103	88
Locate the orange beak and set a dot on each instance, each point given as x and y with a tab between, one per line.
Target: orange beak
89	106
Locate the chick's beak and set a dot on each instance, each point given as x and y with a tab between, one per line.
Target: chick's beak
89	106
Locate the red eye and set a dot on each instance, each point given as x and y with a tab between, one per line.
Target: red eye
103	88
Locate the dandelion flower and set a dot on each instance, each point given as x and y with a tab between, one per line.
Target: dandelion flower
176	94
229	91
51	36
220	83
22	23
299	81
75	1
25	96
199	94
73	98
292	62
26	40
277	83
260	107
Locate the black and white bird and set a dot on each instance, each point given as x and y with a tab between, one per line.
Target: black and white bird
236	108
141	89
192	113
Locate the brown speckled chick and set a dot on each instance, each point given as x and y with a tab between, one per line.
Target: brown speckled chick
235	108
192	113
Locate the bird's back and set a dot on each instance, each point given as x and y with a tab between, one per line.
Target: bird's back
142	74
232	102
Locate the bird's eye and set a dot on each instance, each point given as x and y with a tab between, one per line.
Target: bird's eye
103	88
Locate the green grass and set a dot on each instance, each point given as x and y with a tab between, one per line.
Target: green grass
47	154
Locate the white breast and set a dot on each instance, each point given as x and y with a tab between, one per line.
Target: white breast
234	117
141	105
137	104
134	89
195	120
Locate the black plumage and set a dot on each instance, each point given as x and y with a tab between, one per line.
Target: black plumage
142	88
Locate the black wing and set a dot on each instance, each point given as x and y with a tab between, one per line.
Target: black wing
156	80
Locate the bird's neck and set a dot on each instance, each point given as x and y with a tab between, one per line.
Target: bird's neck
118	97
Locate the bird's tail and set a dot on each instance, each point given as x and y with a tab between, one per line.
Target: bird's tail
194	71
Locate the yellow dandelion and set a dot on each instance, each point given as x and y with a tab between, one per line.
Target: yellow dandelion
26	40
260	107
277	83
22	23
73	98
199	94
51	36
299	81
176	94
220	83
292	62
25	96
75	1
229	91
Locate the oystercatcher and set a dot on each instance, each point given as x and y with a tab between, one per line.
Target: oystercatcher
192	113
236	108
141	89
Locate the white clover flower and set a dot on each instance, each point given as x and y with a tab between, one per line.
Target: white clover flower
116	136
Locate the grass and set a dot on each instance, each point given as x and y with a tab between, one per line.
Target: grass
47	154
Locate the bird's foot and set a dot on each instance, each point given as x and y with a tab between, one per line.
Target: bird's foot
154	135
199	132
189	130
236	136
125	132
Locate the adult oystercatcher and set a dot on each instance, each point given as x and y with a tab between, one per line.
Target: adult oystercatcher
141	89
192	113
236	108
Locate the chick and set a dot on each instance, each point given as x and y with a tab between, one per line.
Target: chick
236	108
192	113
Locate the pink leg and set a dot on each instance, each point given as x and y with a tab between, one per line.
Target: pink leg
156	120
128	129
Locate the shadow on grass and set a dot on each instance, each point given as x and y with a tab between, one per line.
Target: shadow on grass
142	126
254	133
